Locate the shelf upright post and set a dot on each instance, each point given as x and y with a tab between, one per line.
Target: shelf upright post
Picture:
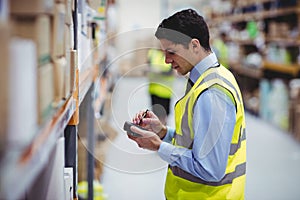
75	22
91	142
70	134
71	131
71	140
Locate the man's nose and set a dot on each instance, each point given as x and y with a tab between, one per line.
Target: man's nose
168	60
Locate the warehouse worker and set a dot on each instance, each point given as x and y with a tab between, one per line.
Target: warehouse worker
206	151
160	84
221	49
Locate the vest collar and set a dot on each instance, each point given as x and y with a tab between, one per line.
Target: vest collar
202	66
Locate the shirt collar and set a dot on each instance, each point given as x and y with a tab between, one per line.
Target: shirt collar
202	66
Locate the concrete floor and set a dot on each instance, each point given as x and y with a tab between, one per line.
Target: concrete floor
273	157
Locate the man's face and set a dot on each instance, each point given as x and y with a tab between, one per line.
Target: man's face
178	56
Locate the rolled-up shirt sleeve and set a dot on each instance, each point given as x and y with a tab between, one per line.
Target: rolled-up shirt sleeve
213	129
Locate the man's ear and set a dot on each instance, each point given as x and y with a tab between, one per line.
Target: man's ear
195	45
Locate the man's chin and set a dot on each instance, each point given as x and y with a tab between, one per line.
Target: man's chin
181	73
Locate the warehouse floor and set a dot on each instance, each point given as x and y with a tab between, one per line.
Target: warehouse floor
273	156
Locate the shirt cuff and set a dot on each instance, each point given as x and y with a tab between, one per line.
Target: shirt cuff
165	151
169	135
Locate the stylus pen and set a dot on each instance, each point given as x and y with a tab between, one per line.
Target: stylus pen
143	116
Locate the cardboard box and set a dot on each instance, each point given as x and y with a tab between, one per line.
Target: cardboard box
45	92
82	159
59	68
73	66
67	88
38	29
69	10
108	133
31	7
273	30
58	32
67	79
68	37
71	29
105	134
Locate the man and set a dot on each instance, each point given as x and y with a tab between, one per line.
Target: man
207	150
160	84
221	49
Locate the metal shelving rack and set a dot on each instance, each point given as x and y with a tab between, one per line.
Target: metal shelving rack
21	167
261	11
292	69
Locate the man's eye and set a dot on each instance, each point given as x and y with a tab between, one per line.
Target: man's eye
171	52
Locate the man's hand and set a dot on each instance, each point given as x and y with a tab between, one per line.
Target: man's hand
149	140
150	122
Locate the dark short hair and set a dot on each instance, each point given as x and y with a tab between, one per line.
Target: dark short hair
182	27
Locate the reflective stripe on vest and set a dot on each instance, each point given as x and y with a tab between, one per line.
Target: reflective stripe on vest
228	178
184	137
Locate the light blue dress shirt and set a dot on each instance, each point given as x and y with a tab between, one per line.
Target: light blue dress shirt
214	120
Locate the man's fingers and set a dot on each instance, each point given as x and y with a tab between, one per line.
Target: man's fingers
150	114
141	132
137	130
138	117
148	121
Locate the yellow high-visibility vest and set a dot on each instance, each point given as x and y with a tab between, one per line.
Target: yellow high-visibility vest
183	185
160	76
222	52
82	189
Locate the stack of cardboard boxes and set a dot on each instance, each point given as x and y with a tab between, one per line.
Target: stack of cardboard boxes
41	68
49	25
37	65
